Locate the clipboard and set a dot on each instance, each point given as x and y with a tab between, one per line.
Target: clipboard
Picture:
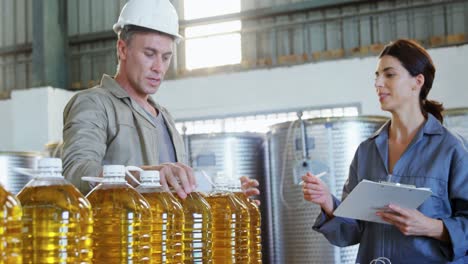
368	197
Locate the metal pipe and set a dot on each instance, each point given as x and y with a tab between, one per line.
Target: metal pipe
186	138
305	152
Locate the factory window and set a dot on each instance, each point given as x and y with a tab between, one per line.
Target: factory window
260	122
203	42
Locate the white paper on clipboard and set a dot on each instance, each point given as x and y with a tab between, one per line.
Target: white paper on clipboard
368	197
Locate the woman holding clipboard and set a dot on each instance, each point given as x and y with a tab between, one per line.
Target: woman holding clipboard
412	148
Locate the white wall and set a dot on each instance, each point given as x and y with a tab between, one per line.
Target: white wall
33	117
6	129
58	98
309	85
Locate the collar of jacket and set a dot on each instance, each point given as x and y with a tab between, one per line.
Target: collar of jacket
432	126
117	90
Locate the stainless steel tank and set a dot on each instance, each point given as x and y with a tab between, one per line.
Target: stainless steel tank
321	144
11	179
234	154
456	119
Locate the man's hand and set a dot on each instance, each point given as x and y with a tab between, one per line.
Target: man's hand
177	175
411	222
249	187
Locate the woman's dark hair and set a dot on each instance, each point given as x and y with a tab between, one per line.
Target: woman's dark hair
416	61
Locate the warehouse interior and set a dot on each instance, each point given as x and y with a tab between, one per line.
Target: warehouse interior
243	79
291	55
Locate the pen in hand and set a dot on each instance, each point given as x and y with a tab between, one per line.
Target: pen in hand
318	176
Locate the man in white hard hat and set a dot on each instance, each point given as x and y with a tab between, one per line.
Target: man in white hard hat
117	122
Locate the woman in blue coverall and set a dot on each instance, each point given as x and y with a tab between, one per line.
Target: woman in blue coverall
413	147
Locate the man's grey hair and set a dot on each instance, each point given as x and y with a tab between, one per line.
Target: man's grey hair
127	32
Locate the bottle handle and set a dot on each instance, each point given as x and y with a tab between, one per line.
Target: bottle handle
133	168
127	172
208	178
92	179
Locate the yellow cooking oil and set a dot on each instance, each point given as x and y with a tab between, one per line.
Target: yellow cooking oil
57	219
223	210
242	231
175	230
197	229
10	228
255	228
168	219
122	220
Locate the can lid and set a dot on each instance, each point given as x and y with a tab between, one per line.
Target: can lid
150	177
113	171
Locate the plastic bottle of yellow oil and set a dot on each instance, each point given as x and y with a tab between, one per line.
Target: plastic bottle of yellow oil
57	219
10	228
255	236
223	210
168	220
197	229
242	229
122	220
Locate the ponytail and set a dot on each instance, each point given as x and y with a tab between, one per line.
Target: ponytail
433	107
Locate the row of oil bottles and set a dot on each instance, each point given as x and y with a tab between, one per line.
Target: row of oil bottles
50	221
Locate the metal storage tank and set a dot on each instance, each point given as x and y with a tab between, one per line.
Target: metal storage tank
328	145
12	180
235	154
456	119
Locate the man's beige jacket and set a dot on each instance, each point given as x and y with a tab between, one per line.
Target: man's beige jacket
103	125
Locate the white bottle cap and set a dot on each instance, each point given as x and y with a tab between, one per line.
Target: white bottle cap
235	184
150	177
220	179
113	171
49	167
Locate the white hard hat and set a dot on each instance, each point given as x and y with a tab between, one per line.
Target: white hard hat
159	15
